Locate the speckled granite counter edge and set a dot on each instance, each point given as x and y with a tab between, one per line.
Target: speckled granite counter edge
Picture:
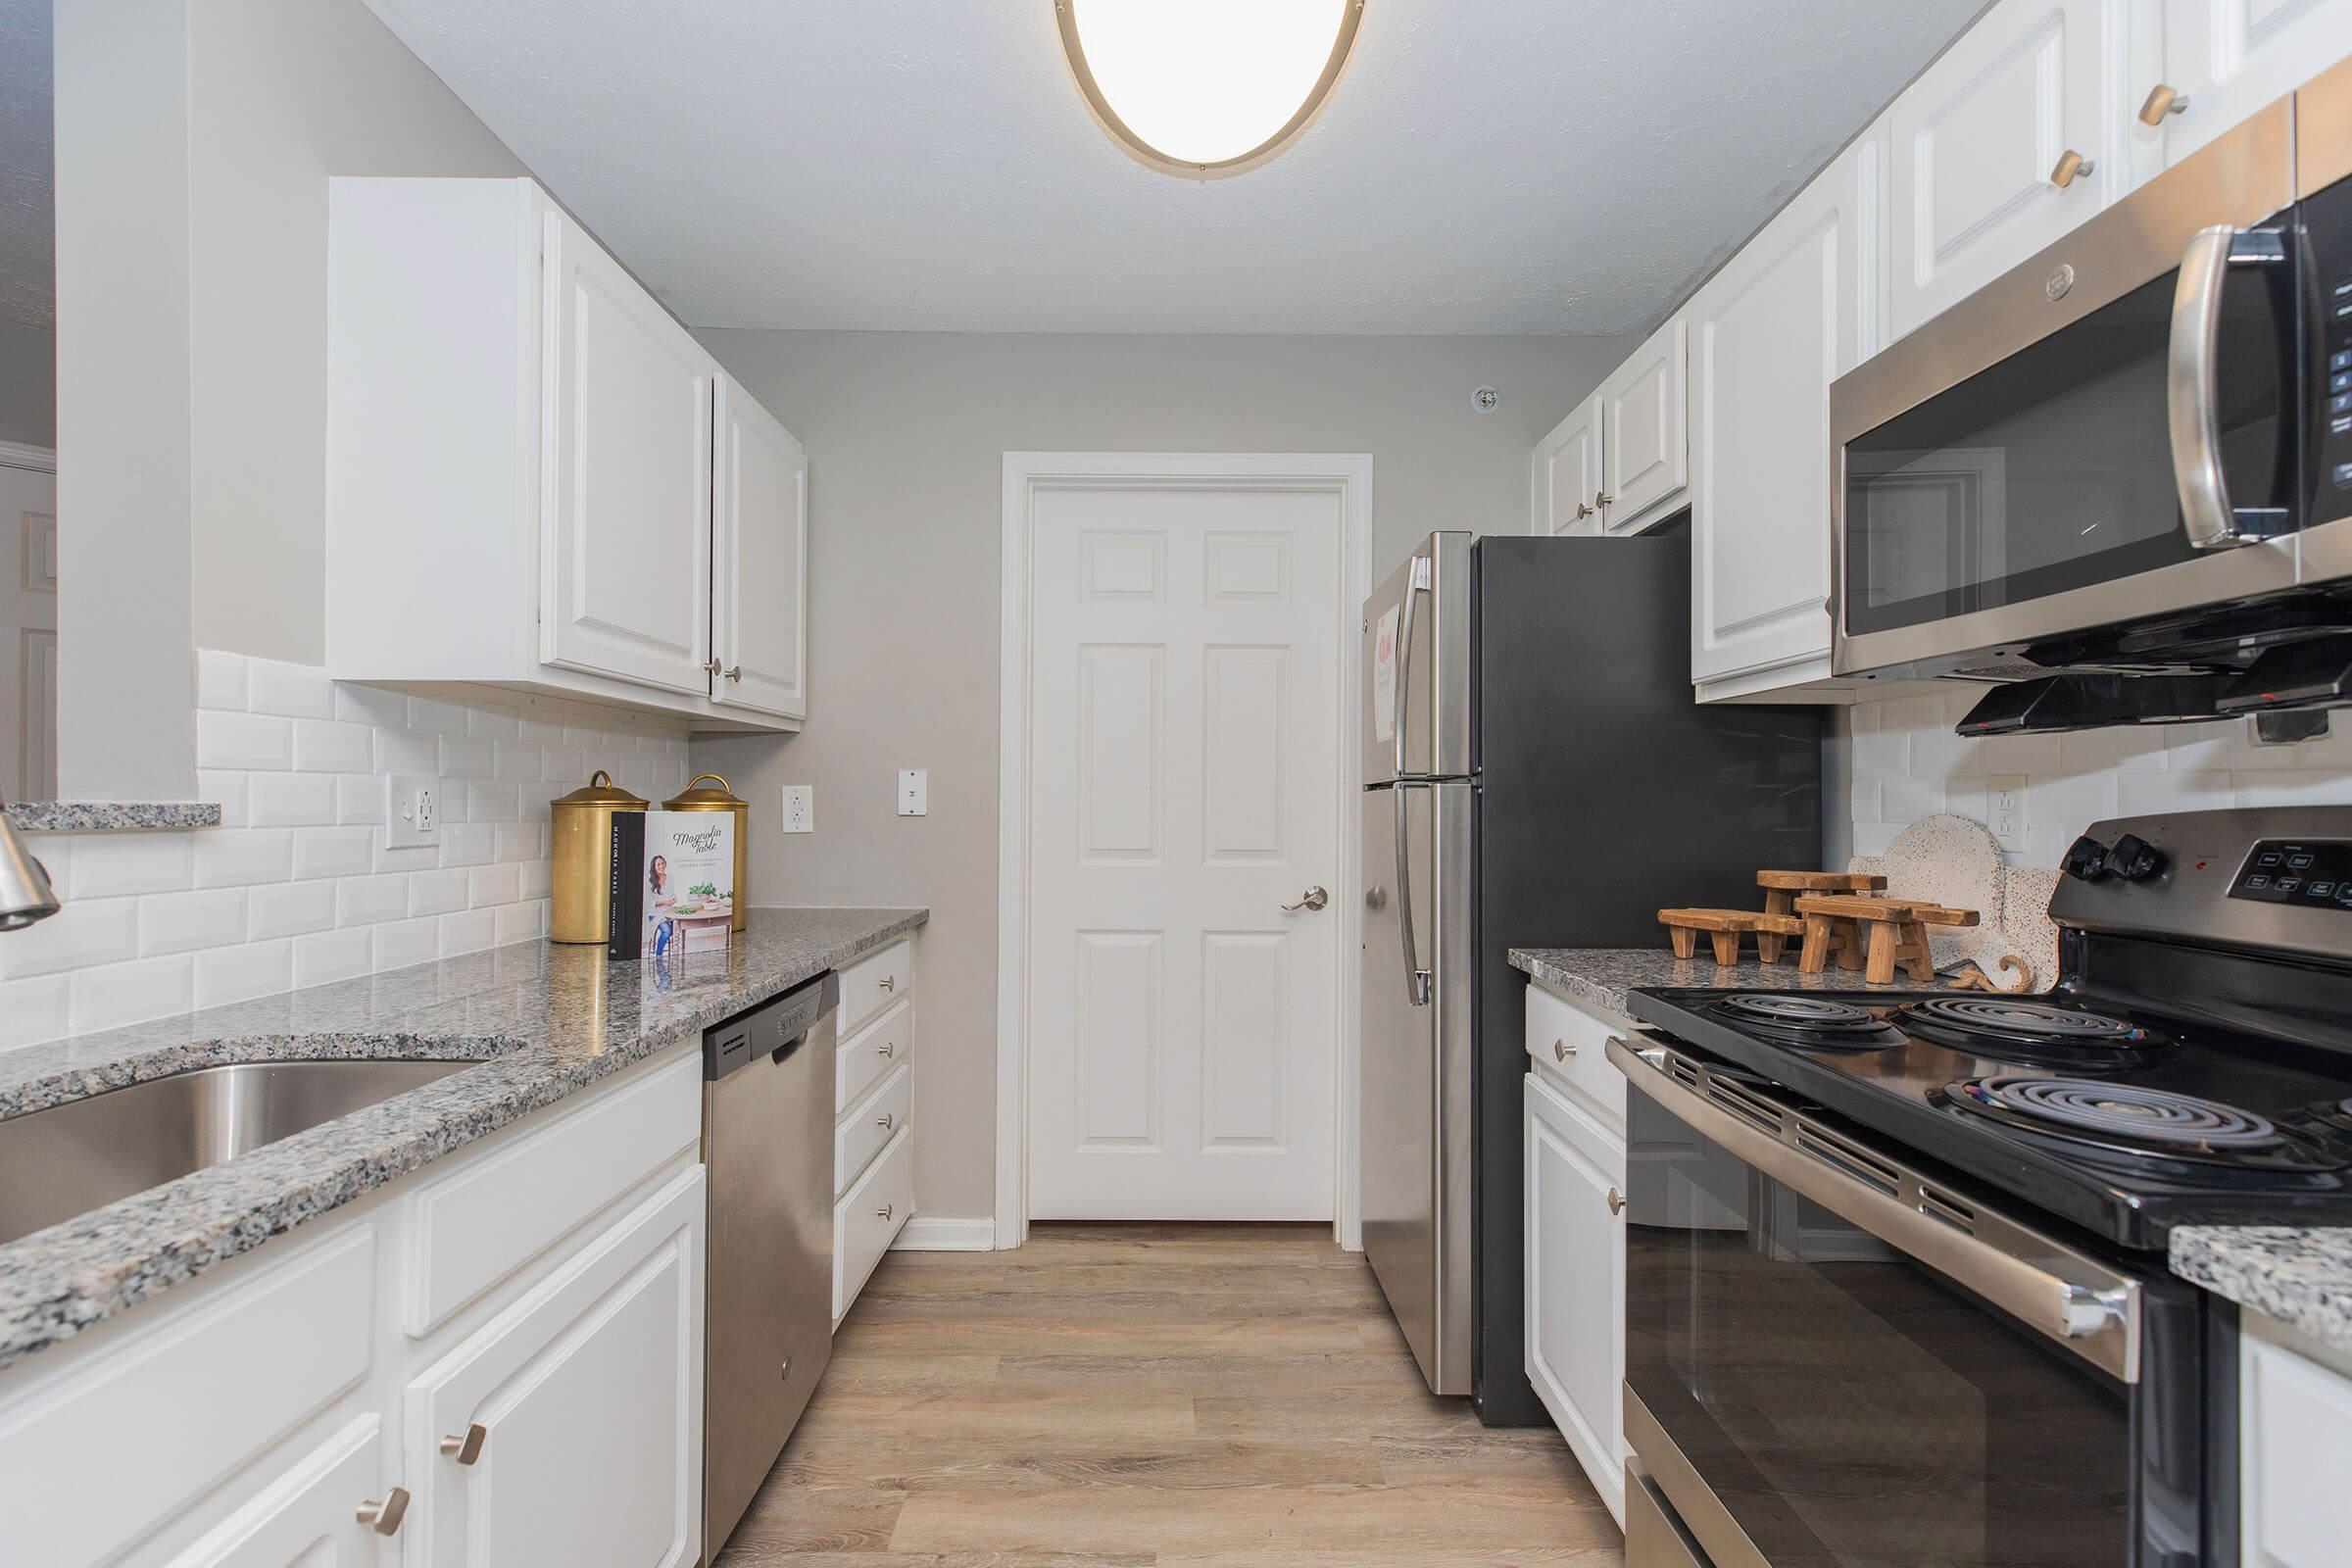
110	816
59	1281
2300	1275
1602	977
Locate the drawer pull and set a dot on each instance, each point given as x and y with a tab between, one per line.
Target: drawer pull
884	1121
466	1446
2072	166
884	1212
887	1048
889	982
385	1517
1616	1202
2163	99
1562	1051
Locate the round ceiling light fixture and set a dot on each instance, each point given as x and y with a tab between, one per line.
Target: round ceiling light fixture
1206	88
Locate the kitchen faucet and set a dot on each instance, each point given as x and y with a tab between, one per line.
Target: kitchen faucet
25	895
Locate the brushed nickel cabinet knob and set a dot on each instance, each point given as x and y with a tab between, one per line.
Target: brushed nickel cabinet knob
466	1446
384	1516
1616	1202
2072	166
1562	1051
2162	100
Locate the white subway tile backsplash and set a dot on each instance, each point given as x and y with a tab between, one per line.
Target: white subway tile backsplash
1908	799
245	742
327	746
249	970
182	923
297	886
126	992
239	856
291	800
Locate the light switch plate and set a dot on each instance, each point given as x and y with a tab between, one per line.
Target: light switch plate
412	810
800	807
2005	809
915	791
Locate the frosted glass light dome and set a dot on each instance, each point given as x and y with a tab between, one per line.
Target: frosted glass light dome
1207	87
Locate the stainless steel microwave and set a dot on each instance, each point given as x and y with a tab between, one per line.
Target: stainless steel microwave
2129	456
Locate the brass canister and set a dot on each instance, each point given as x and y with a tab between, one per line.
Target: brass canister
583	858
723	798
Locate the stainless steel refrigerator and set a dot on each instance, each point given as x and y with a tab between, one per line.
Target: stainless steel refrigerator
1537	774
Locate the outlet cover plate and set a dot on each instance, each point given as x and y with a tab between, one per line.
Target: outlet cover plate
2005	809
412	810
915	791
800	807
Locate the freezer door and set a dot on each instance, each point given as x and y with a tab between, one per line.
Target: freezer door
1416	672
1413	1161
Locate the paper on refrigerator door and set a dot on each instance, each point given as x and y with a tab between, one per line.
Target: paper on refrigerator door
1384	678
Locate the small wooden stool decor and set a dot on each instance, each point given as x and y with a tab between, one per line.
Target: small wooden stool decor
1725	927
1897	934
1780	889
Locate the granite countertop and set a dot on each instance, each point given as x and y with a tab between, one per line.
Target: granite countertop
2300	1275
1600	977
544	1021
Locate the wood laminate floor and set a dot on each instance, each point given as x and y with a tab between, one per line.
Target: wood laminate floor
1171	1395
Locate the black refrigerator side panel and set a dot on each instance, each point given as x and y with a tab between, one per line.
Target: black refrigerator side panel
1605	792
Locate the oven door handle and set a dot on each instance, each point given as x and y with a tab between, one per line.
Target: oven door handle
2192	382
2070	1297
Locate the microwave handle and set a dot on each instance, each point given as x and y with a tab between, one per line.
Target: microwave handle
2193	393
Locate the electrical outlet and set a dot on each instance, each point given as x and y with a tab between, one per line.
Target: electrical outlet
915	791
412	810
800	807
2005	809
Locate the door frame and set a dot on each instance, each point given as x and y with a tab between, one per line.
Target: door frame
1346	475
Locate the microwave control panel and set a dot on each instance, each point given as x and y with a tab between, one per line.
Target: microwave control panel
2309	872
2328	225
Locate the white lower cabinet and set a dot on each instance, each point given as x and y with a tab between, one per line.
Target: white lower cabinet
2295	1453
588	1394
308	1517
247	1418
873	1149
1576	1282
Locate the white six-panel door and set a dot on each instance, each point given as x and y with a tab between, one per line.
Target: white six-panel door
1185	783
627	551
28	633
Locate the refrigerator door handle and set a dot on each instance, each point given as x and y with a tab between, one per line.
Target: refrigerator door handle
1416	978
1416	582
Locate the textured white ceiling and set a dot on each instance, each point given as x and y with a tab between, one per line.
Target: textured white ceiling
1486	165
27	221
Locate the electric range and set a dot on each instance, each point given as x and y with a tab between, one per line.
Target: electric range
1896	1284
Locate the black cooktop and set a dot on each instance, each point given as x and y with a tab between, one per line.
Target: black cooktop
2126	1125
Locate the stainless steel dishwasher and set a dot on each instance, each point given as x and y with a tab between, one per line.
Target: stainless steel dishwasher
768	1138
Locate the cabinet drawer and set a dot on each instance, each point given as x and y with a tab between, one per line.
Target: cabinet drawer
864	1131
308	1515
874	982
870	1218
481	1224
2295	1452
94	1459
862	1058
589	1392
1571	1046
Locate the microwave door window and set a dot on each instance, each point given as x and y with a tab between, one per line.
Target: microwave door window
2052	470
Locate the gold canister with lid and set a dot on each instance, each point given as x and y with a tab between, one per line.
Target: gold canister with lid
723	798
582	851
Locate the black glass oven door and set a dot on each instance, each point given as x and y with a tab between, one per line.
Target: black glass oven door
2052	470
1848	1407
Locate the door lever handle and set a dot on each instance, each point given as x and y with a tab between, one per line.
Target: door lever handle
1311	898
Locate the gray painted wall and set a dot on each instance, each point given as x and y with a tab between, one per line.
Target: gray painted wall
27	384
907	434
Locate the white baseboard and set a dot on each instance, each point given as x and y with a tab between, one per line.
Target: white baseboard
928	1234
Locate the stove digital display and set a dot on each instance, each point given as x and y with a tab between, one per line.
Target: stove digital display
2310	872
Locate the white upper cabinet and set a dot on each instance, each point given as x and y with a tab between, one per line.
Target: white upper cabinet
1567	474
2222	59
759	592
628	537
523	472
2000	147
1646	432
1797	308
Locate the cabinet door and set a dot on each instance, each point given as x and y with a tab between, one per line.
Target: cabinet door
309	1517
2295	1452
760	566
1978	138
1567	474
1785	318
1646	432
1575	1246
589	1389
2229	58
626	486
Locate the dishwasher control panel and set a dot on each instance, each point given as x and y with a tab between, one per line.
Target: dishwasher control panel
769	1027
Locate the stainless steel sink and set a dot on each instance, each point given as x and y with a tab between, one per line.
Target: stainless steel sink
83	1154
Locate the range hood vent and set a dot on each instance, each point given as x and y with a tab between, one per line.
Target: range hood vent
2317	674
2096	700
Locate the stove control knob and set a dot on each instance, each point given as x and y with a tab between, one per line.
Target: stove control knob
2086	858
2134	859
